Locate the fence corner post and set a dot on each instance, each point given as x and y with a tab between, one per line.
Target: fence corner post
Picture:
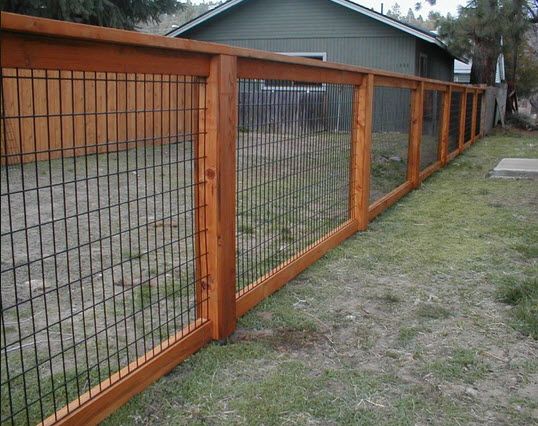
361	151
445	126
415	135
220	193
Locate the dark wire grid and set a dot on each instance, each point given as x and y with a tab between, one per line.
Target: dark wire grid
390	140
468	117
454	124
72	211
293	172
431	128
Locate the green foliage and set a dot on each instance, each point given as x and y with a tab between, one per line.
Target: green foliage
108	13
410	18
527	70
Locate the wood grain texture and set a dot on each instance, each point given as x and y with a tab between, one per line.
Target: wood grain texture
415	136
263	69
463	112
361	153
445	125
281	275
220	193
430	170
102	400
388	200
401	82
53	114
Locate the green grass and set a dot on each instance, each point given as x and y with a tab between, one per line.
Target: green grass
392	326
522	294
462	364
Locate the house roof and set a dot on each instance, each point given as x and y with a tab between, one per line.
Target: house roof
409	29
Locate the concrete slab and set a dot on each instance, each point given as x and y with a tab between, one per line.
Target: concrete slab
526	168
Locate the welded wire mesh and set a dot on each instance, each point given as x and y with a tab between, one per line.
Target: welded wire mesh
431	128
468	117
293	171
390	140
454	125
479	115
97	229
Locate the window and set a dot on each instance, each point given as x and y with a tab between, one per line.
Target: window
297	85
423	65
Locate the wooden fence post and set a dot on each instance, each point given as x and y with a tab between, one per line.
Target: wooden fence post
361	151
219	174
445	125
415	135
475	110
463	112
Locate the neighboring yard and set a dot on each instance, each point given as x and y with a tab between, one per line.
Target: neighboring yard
429	317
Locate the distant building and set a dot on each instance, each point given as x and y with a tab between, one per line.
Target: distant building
462	71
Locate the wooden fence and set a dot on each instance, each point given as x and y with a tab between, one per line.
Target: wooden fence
90	112
57	79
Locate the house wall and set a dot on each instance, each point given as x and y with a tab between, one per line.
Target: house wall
323	27
440	62
345	36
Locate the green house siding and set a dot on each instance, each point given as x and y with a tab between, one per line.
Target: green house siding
440	63
311	26
321	26
398	52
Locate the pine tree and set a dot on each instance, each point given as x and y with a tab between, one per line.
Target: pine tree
108	13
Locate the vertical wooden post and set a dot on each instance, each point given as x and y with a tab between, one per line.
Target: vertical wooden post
200	240
475	110
361	151
445	125
415	135
463	108
220	193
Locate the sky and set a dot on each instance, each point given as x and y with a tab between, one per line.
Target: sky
442	6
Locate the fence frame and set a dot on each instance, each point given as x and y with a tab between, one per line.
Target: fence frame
28	42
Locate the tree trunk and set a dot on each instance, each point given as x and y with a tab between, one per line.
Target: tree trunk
483	68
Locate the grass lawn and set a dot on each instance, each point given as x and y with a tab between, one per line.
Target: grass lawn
428	317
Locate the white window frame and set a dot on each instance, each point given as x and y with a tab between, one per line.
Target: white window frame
311	55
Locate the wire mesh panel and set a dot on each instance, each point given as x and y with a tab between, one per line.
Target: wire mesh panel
479	115
293	171
431	128
468	117
390	140
97	229
454	125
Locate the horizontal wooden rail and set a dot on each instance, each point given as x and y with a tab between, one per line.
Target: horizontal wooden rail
430	170
102	400
48	28
388	200
264	69
400	83
253	294
30	51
